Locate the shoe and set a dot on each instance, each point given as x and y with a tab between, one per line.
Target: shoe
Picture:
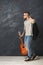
27	59
37	57
32	57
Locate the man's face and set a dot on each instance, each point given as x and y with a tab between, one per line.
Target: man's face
25	15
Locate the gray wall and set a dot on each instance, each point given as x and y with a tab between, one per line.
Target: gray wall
11	21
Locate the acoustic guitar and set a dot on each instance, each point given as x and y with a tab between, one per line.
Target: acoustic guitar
23	50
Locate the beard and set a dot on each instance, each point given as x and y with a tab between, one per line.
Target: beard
25	19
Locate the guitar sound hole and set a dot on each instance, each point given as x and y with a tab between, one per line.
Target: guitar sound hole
23	46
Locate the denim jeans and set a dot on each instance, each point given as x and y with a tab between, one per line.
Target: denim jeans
27	43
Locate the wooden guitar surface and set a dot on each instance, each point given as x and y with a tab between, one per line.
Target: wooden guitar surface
23	50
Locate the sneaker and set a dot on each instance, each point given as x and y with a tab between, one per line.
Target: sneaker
27	59
37	57
32	57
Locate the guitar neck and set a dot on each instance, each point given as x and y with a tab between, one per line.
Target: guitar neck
21	40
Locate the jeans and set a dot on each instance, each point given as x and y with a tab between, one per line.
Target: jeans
27	43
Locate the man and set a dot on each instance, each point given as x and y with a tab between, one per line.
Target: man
28	31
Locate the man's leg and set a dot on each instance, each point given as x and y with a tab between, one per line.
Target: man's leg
28	41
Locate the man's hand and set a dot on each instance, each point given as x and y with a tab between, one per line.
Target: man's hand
20	35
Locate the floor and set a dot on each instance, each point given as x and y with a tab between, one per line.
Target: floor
19	60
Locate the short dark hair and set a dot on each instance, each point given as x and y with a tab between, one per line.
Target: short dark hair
27	12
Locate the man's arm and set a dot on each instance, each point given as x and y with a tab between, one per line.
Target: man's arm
21	35
33	21
23	32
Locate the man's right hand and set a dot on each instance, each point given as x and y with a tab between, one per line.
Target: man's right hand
20	35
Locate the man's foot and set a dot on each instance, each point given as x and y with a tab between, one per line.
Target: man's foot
34	57
27	59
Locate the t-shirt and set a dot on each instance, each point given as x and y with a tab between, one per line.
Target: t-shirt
28	24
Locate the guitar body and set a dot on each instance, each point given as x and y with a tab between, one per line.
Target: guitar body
23	50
